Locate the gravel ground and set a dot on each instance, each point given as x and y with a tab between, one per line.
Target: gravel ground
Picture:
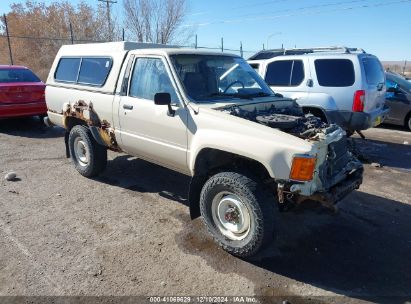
128	231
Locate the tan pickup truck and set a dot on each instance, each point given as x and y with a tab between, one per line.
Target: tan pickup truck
250	152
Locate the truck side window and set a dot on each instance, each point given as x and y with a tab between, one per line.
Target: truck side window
150	77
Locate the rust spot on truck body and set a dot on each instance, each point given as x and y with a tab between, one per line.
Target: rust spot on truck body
85	112
55	112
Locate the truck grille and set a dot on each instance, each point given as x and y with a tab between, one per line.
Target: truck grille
337	158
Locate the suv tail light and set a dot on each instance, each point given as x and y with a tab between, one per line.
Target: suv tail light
359	99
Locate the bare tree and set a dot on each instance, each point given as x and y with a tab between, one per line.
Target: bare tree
156	21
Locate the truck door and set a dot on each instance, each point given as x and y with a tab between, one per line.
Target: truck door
147	130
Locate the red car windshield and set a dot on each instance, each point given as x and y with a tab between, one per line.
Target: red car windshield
17	75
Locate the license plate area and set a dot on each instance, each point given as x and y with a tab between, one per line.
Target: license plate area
377	121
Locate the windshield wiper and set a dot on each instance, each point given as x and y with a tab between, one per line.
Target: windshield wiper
260	94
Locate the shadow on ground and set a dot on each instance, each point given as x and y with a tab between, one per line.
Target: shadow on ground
30	127
392	127
385	153
138	175
363	251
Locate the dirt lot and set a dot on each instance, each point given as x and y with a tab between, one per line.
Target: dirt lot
128	232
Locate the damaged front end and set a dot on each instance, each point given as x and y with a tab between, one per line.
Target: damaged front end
336	172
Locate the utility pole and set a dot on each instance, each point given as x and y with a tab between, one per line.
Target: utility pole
8	39
108	2
403	69
71	33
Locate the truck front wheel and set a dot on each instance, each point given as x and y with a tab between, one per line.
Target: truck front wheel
238	213
89	158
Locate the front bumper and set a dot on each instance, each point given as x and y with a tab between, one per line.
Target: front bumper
328	197
349	120
22	109
340	190
337	173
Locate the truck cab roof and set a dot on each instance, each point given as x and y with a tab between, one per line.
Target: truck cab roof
122	47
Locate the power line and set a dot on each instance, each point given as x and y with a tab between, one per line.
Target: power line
310	7
284	11
302	11
241	7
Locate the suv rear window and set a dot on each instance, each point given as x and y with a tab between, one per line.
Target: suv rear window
285	73
335	72
374	71
90	71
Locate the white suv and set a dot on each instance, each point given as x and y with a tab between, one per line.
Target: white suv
338	84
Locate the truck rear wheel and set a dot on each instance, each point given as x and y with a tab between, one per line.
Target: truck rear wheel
89	158
238	213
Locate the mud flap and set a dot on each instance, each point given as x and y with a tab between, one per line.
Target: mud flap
66	139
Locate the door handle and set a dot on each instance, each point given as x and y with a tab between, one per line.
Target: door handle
127	107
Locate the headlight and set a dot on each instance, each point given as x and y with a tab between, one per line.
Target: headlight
302	168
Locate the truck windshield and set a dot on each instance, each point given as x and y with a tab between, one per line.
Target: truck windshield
210	77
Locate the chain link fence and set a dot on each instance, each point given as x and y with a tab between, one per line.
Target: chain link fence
38	52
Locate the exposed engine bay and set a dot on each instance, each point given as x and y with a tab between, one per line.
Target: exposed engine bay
285	115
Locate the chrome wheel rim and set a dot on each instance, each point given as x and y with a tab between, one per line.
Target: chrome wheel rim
231	216
81	152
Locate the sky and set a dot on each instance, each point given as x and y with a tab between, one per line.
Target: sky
381	27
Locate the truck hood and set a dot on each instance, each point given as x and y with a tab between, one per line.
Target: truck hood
282	114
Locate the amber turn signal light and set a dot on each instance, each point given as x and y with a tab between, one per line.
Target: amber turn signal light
302	168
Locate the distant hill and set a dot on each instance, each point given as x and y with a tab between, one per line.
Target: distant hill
397	66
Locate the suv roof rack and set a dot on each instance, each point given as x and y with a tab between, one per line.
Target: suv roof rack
267	54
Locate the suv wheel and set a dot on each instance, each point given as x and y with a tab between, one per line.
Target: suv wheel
89	158
408	122
238	213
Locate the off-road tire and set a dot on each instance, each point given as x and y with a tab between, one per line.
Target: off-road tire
260	204
97	154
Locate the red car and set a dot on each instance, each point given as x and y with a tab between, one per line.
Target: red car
21	92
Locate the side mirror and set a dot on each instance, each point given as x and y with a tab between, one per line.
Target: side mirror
393	90
164	99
